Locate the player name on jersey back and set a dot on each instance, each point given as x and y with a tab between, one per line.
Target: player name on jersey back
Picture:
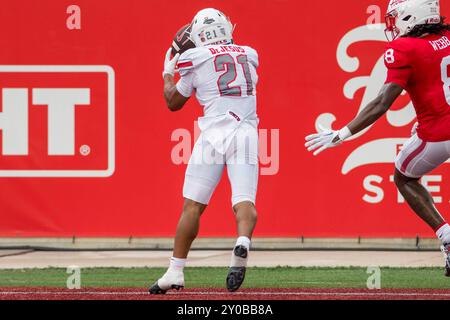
440	44
226	49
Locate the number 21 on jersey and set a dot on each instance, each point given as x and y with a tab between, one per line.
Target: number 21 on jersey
226	62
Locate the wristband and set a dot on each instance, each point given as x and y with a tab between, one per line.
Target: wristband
344	133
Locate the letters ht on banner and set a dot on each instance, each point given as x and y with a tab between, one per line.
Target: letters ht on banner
57	121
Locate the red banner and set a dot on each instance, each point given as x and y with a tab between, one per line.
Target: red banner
112	161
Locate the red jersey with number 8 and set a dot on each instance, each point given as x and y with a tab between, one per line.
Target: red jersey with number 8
422	67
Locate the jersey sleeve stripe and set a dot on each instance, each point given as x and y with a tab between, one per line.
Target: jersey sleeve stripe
187	64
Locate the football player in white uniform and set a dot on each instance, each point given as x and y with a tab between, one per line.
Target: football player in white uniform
223	76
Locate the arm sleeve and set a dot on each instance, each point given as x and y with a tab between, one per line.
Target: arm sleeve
397	61
185	86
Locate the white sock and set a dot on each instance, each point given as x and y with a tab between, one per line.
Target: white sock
443	233
177	263
243	241
238	261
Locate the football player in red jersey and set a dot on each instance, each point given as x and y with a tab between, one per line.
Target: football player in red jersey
418	61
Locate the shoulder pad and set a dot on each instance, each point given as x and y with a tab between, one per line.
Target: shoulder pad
252	56
192	58
399	53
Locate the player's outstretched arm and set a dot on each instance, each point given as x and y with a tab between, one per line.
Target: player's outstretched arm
327	138
175	101
375	109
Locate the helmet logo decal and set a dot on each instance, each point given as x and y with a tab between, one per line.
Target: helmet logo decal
210	27
208	21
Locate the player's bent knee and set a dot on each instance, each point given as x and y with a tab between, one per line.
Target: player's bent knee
192	207
247	207
400	179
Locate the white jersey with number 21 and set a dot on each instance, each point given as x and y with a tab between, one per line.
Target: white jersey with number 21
224	78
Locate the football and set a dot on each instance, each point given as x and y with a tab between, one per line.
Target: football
182	42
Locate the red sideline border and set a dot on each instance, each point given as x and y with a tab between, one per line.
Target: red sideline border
33	293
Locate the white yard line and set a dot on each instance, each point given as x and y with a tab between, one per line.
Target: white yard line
92	259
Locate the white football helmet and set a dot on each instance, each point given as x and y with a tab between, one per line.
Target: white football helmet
403	15
210	26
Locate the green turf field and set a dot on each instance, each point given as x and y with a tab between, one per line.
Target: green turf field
282	277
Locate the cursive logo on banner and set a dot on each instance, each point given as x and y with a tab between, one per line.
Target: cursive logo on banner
382	150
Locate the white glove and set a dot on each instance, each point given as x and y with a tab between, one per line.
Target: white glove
324	139
414	129
170	64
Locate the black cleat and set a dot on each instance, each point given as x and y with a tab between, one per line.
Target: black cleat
178	288
235	278
172	279
155	289
236	275
241	252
